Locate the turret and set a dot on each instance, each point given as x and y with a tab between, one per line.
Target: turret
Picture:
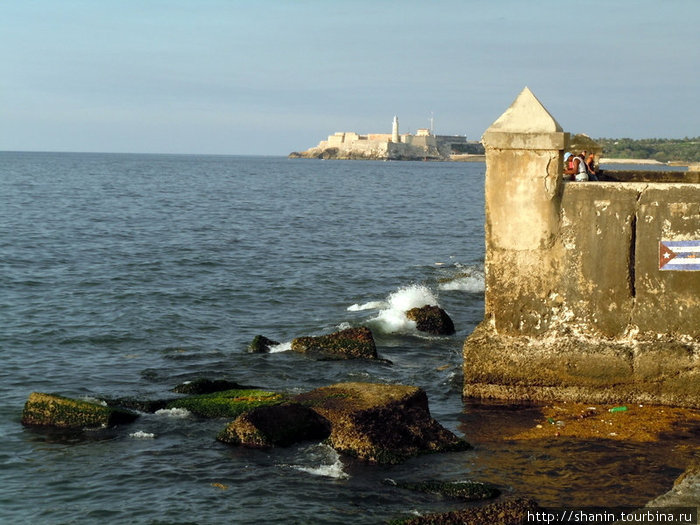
395	130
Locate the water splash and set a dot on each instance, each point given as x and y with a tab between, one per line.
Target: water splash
467	279
332	470
173	412
392	318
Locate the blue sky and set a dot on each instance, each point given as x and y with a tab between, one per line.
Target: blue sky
271	77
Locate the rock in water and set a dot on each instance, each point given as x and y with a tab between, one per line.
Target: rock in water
280	425
261	345
431	319
380	423
353	343
207	386
63	412
229	403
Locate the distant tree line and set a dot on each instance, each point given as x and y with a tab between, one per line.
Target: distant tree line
663	150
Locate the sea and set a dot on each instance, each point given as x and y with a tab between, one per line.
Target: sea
126	275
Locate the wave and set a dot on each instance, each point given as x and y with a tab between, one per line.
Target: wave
282	347
332	470
392	317
467	279
140	434
372	305
173	412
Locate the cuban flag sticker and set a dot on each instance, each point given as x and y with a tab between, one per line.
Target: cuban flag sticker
679	255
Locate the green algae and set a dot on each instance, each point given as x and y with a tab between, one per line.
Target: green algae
228	403
53	410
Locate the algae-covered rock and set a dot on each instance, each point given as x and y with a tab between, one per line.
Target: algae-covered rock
431	319
63	412
149	406
207	386
261	345
229	403
513	511
380	423
352	343
464	490
279	425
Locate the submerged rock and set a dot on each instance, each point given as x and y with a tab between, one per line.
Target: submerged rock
512	511
207	386
352	343
431	319
149	406
63	412
465	490
229	403
380	423
279	425
261	344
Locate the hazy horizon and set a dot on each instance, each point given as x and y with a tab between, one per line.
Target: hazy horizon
268	78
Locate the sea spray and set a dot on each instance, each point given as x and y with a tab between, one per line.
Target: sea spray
392	318
467	279
331	468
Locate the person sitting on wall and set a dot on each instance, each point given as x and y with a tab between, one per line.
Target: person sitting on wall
575	168
590	162
589	167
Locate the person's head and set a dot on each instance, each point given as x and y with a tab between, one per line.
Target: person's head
583	153
566	156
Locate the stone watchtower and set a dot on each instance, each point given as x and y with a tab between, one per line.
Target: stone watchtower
395	131
578	304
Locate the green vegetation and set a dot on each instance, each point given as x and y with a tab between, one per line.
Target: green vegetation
229	403
663	150
62	412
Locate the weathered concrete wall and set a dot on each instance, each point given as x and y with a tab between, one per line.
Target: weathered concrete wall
576	305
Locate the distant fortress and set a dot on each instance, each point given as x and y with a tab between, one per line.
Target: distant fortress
424	145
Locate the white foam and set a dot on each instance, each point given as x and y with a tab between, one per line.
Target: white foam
372	305
467	280
282	347
140	434
392	319
334	470
173	412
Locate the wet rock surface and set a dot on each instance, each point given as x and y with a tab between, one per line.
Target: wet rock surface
56	411
380	423
352	343
279	425
431	319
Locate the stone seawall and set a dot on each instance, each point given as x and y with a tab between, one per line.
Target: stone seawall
578	302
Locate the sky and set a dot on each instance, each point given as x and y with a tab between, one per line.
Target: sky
268	77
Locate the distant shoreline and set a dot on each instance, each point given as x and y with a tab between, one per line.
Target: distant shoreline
631	161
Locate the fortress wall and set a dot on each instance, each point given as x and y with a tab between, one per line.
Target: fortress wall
576	306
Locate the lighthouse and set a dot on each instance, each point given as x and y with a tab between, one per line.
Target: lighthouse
395	130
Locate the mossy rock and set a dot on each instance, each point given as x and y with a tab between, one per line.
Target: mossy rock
464	490
380	423
512	511
208	386
431	319
352	343
62	412
149	406
229	403
278	425
261	345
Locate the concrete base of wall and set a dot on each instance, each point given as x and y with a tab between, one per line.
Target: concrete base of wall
566	368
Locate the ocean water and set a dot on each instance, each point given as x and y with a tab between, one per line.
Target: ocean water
125	275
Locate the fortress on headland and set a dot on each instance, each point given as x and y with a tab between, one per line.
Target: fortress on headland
592	289
423	145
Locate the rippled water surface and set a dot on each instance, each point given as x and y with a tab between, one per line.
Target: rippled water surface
129	274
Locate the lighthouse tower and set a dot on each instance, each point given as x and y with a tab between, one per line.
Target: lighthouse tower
395	130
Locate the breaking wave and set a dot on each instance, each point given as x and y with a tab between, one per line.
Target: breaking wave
392	315
467	279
